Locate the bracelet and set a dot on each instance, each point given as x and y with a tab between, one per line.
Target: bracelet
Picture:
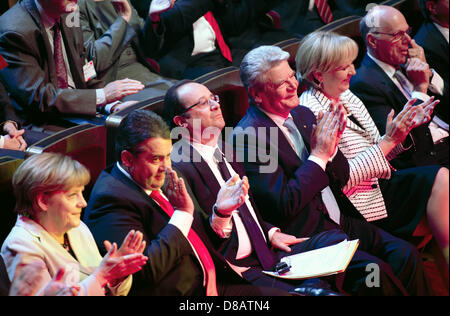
216	211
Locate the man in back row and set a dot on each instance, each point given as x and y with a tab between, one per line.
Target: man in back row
48	75
206	164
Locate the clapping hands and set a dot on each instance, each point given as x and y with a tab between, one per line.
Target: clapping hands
232	195
120	263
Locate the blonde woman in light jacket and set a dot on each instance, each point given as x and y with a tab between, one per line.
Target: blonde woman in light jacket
394	200
48	190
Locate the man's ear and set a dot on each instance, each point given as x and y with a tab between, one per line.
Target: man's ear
127	158
371	41
179	121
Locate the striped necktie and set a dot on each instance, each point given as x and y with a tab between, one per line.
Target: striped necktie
407	87
197	243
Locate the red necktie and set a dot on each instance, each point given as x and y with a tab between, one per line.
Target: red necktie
197	243
61	70
324	11
219	37
3	62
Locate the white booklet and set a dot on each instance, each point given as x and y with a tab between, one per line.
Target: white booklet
318	262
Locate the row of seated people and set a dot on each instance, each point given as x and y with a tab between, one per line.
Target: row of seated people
120	43
113	38
220	211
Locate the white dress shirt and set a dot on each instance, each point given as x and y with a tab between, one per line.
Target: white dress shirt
223	226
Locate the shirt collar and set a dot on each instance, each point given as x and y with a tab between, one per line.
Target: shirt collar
205	151
46	20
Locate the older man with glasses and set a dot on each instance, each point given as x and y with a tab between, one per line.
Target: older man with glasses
393	71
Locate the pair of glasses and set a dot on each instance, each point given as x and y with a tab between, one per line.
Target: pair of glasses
203	103
397	36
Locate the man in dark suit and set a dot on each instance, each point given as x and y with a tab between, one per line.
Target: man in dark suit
189	43
296	171
114	39
433	37
48	75
128	196
249	244
393	71
302	16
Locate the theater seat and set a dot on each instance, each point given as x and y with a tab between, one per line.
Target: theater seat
8	166
85	143
291	46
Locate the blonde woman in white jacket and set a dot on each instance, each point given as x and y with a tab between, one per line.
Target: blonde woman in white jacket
48	190
395	200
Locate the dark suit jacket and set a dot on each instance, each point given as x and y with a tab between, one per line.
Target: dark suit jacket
106	36
380	95
289	195
117	205
175	37
6	108
436	52
295	16
205	187
30	77
4	279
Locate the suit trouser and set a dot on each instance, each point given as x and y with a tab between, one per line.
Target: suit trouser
400	265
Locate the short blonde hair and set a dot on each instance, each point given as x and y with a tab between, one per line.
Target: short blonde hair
321	52
46	172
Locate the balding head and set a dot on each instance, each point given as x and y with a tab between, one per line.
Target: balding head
385	31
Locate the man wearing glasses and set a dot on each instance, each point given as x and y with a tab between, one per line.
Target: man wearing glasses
393	71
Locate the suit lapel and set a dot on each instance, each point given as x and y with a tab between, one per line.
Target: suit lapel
378	75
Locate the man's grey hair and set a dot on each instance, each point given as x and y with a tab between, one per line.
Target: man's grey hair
257	62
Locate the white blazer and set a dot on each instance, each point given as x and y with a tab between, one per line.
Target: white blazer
28	242
359	144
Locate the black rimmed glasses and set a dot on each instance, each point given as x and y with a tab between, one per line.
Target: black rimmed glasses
203	103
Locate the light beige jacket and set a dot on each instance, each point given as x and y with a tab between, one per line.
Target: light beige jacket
28	242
